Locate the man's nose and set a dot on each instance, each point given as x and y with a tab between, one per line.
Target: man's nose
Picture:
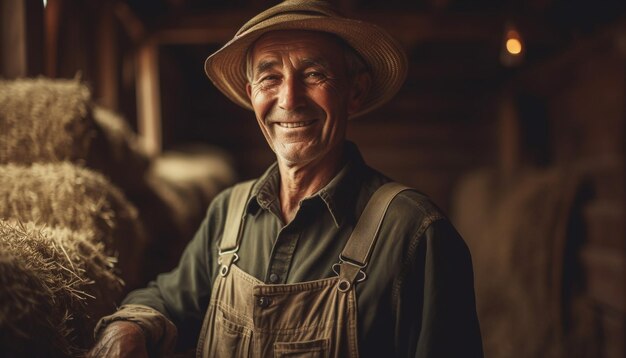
291	94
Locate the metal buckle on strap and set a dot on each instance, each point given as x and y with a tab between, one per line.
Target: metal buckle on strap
350	261
233	251
225	268
342	260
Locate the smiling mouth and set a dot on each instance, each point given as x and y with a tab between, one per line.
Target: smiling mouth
295	124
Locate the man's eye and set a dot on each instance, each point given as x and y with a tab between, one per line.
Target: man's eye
314	75
268	79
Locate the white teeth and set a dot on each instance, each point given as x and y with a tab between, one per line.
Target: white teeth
294	124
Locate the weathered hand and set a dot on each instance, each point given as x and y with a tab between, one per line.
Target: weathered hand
120	339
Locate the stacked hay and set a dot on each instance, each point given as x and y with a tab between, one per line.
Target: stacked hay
64	195
186	180
115	151
47	128
49	280
44	120
200	170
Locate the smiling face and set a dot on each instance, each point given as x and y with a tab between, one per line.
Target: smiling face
301	94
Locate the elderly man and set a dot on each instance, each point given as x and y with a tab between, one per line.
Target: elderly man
321	256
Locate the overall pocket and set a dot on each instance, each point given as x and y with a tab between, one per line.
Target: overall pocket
308	349
231	340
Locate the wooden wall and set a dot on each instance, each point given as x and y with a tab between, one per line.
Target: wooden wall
583	96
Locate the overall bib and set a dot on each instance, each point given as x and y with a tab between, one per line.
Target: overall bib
248	318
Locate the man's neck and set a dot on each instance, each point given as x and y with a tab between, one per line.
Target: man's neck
299	182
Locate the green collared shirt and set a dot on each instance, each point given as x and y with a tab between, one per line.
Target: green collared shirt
417	301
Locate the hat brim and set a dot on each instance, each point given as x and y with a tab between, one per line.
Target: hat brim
384	57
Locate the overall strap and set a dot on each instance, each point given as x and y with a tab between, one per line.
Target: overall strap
356	253
232	226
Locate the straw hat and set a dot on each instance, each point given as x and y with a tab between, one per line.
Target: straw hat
384	57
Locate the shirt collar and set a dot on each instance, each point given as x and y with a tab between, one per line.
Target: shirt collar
336	195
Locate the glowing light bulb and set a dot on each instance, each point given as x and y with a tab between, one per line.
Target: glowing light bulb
512	51
514	46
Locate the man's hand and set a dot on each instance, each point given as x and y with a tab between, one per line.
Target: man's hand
120	339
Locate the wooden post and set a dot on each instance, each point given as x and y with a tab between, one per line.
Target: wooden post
107	59
148	98
51	41
21	31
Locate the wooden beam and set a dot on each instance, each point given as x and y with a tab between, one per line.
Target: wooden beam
148	99
409	28
134	28
107	59
21	30
13	39
51	40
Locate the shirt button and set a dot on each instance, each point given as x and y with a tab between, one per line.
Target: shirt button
263	301
274	278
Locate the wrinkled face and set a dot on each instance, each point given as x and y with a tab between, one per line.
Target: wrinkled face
301	94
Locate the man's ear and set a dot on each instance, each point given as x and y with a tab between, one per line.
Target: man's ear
249	91
360	87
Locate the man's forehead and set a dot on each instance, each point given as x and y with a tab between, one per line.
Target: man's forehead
316	43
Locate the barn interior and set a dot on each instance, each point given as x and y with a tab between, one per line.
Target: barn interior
512	119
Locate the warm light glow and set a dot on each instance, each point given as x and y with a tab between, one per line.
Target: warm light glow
512	51
45	3
514	46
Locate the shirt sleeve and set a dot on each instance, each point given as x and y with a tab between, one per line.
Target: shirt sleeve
449	324
160	333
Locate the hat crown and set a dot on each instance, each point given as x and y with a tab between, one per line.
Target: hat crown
302	7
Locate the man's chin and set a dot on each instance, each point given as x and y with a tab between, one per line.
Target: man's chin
297	154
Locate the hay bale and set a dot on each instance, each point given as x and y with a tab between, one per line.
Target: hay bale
184	182
64	195
26	311
515	230
43	120
187	179
54	284
115	151
200	169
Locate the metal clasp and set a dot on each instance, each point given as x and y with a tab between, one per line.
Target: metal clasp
342	260
225	268
233	251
